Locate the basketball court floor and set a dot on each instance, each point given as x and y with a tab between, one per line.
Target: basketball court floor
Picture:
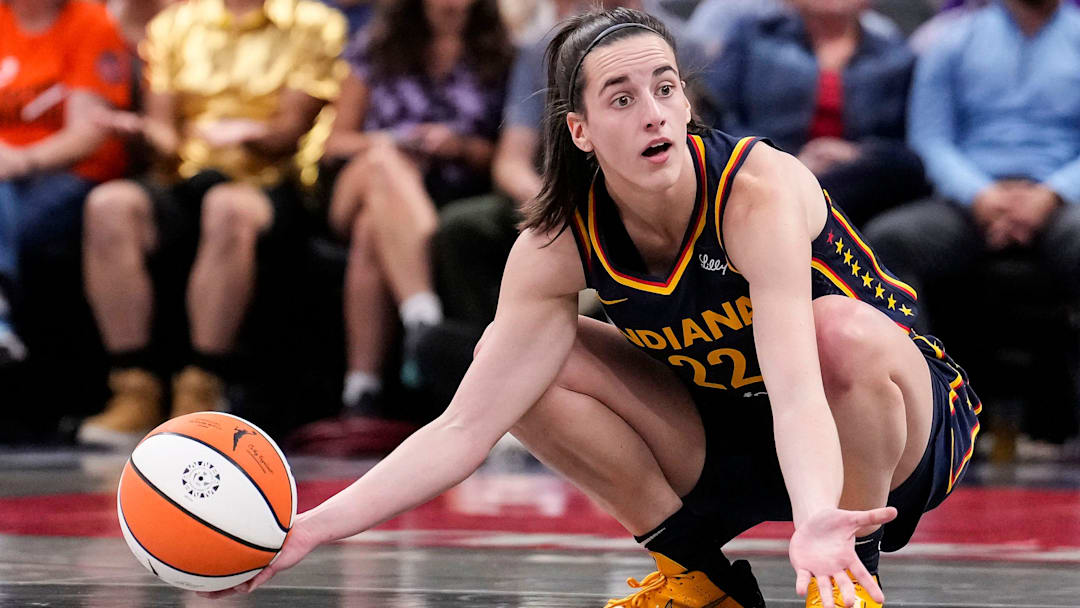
515	535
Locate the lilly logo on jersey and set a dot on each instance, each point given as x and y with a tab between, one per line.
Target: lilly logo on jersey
712	264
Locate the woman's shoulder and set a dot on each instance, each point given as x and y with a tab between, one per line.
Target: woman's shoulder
548	261
723	149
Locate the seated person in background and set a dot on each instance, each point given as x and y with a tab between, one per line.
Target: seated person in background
713	21
829	90
233	88
995	114
417	121
59	60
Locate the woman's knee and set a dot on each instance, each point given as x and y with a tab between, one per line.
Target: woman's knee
852	341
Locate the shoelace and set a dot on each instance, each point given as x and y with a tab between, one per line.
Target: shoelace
650	583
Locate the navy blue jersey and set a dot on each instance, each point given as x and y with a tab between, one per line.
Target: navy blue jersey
697	318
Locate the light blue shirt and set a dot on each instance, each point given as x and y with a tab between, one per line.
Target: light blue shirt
990	103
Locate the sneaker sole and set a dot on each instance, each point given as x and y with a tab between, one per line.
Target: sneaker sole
119	440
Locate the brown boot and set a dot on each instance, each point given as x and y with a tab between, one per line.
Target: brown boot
197	390
132	411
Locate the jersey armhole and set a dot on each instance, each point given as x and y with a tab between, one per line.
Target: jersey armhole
584	246
723	189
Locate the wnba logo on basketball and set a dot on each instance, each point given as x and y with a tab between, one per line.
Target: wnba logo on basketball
200	479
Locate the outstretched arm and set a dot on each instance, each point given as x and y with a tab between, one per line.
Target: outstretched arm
526	346
775	196
772	196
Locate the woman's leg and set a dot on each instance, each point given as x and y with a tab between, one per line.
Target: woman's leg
369	314
623	429
390	190
404	220
620	426
368	307
386	184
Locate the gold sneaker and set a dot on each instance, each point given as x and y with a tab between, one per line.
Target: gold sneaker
862	596
132	411
197	390
672	586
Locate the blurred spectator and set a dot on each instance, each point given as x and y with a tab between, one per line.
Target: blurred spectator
827	88
712	23
132	16
59	61
995	114
234	86
951	14
417	119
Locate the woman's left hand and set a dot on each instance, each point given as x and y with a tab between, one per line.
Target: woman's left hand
823	547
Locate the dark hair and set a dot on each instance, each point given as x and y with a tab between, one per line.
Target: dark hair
401	37
567	170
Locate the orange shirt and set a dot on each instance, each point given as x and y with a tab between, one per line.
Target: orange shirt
81	50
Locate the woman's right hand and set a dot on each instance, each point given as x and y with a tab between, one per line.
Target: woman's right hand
300	541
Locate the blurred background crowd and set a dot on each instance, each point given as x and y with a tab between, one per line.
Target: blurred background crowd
299	210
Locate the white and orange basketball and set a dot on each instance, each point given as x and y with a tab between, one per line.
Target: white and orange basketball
206	500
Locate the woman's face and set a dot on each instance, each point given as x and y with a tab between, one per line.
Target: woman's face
447	16
636	112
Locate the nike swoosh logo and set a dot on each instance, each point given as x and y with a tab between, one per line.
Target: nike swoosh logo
610	302
652	536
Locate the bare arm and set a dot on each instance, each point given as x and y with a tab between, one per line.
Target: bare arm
295	116
347	137
513	168
79	137
526	346
775	195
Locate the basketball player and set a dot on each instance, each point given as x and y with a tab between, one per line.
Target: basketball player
697	414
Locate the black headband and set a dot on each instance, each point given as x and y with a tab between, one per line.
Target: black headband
610	30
